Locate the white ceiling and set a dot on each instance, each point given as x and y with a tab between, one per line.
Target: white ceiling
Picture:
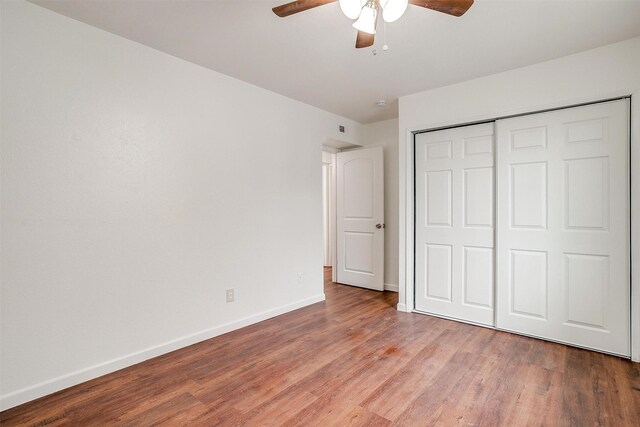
311	56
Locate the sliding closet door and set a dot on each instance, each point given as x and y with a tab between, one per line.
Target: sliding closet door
454	223
563	226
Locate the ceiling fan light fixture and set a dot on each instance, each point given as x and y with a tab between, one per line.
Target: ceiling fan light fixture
392	10
366	12
352	8
368	18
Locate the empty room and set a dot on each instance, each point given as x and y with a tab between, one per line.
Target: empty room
320	213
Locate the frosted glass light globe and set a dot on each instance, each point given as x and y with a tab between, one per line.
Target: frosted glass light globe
367	20
352	8
392	10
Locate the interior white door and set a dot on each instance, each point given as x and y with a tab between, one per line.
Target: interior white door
454	226
360	213
563	226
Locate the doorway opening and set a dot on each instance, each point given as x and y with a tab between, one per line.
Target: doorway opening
330	149
353	216
328	207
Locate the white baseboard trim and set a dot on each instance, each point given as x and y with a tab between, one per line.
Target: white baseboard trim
390	287
53	385
401	307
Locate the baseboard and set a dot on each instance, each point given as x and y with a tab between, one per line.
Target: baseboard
401	307
53	385
390	287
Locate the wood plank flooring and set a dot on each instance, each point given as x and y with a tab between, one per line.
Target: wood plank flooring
355	360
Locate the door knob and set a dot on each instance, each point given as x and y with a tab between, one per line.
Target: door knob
378	226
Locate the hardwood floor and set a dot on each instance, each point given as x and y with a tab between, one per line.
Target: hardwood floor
355	360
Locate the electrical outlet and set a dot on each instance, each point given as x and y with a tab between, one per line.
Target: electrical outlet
230	295
300	277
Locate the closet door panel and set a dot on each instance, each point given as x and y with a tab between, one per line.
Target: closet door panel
455	223
562	244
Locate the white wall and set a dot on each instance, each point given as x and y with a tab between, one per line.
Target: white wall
385	134
596	74
591	75
136	188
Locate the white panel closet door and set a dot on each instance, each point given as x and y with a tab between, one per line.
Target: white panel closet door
454	223
563	226
360	213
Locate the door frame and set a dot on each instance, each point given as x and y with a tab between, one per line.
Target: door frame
406	276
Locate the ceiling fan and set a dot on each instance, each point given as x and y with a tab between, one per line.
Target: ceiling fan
366	12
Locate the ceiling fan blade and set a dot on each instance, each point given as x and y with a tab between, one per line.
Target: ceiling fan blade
364	40
299	6
450	7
